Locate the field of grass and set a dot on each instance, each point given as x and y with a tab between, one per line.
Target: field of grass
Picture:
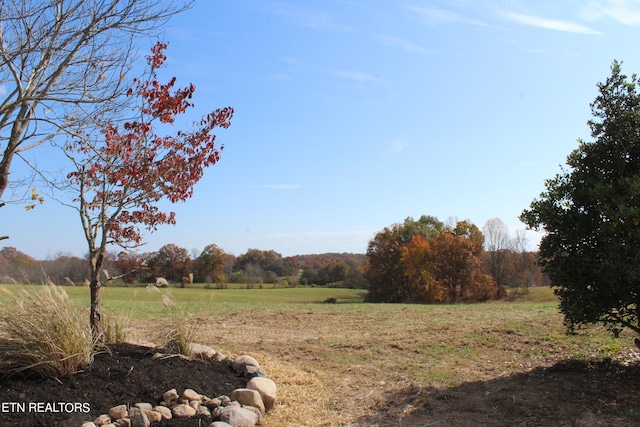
356	364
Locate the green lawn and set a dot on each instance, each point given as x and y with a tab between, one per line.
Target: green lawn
143	303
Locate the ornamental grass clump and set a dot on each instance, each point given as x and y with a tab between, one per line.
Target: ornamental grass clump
183	329
42	332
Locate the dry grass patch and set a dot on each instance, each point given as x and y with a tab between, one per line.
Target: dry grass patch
302	398
43	332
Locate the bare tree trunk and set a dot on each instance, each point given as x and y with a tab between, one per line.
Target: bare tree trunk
95	317
97	330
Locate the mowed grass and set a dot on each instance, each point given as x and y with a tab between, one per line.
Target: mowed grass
358	364
149	304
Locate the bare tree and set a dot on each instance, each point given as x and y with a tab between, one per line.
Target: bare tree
63	62
498	245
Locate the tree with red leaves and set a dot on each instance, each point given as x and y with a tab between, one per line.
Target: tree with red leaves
121	172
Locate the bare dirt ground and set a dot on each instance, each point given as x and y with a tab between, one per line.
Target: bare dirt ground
492	365
408	367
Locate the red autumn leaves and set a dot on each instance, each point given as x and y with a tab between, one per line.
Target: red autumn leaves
124	173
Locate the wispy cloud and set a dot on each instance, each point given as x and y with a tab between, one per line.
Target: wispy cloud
309	18
403	44
624	11
550	24
435	16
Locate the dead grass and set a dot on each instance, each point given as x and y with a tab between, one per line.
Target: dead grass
404	365
42	331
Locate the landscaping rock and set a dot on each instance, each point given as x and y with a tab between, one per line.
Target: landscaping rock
117	412
254	410
154	416
212	403
164	412
238	416
138	418
102	420
144	406
183	411
203	411
191	395
249	397
205	352
267	389
248	366
245	408
170	397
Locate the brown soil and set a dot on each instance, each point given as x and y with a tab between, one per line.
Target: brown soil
128	375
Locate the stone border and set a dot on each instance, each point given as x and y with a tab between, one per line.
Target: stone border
245	407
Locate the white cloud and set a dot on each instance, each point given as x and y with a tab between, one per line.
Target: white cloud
3	89
309	18
550	24
407	45
624	11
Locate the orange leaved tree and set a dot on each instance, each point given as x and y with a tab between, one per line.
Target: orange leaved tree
122	171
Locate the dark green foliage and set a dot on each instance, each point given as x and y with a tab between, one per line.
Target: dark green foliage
591	213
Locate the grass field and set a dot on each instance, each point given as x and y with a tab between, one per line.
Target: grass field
355	364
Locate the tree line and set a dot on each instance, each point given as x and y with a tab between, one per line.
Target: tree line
419	261
180	267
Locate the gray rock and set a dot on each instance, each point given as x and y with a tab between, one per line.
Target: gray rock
92	424
267	389
237	416
220	424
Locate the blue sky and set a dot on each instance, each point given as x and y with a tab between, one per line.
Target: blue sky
353	115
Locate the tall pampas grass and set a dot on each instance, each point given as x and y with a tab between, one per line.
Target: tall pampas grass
42	332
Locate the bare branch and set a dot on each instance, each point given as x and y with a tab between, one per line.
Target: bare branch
64	62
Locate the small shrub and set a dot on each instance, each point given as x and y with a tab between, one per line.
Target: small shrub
43	332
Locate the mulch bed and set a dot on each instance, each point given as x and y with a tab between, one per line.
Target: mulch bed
127	375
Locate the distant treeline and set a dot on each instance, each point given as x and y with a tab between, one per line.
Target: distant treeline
213	266
181	267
